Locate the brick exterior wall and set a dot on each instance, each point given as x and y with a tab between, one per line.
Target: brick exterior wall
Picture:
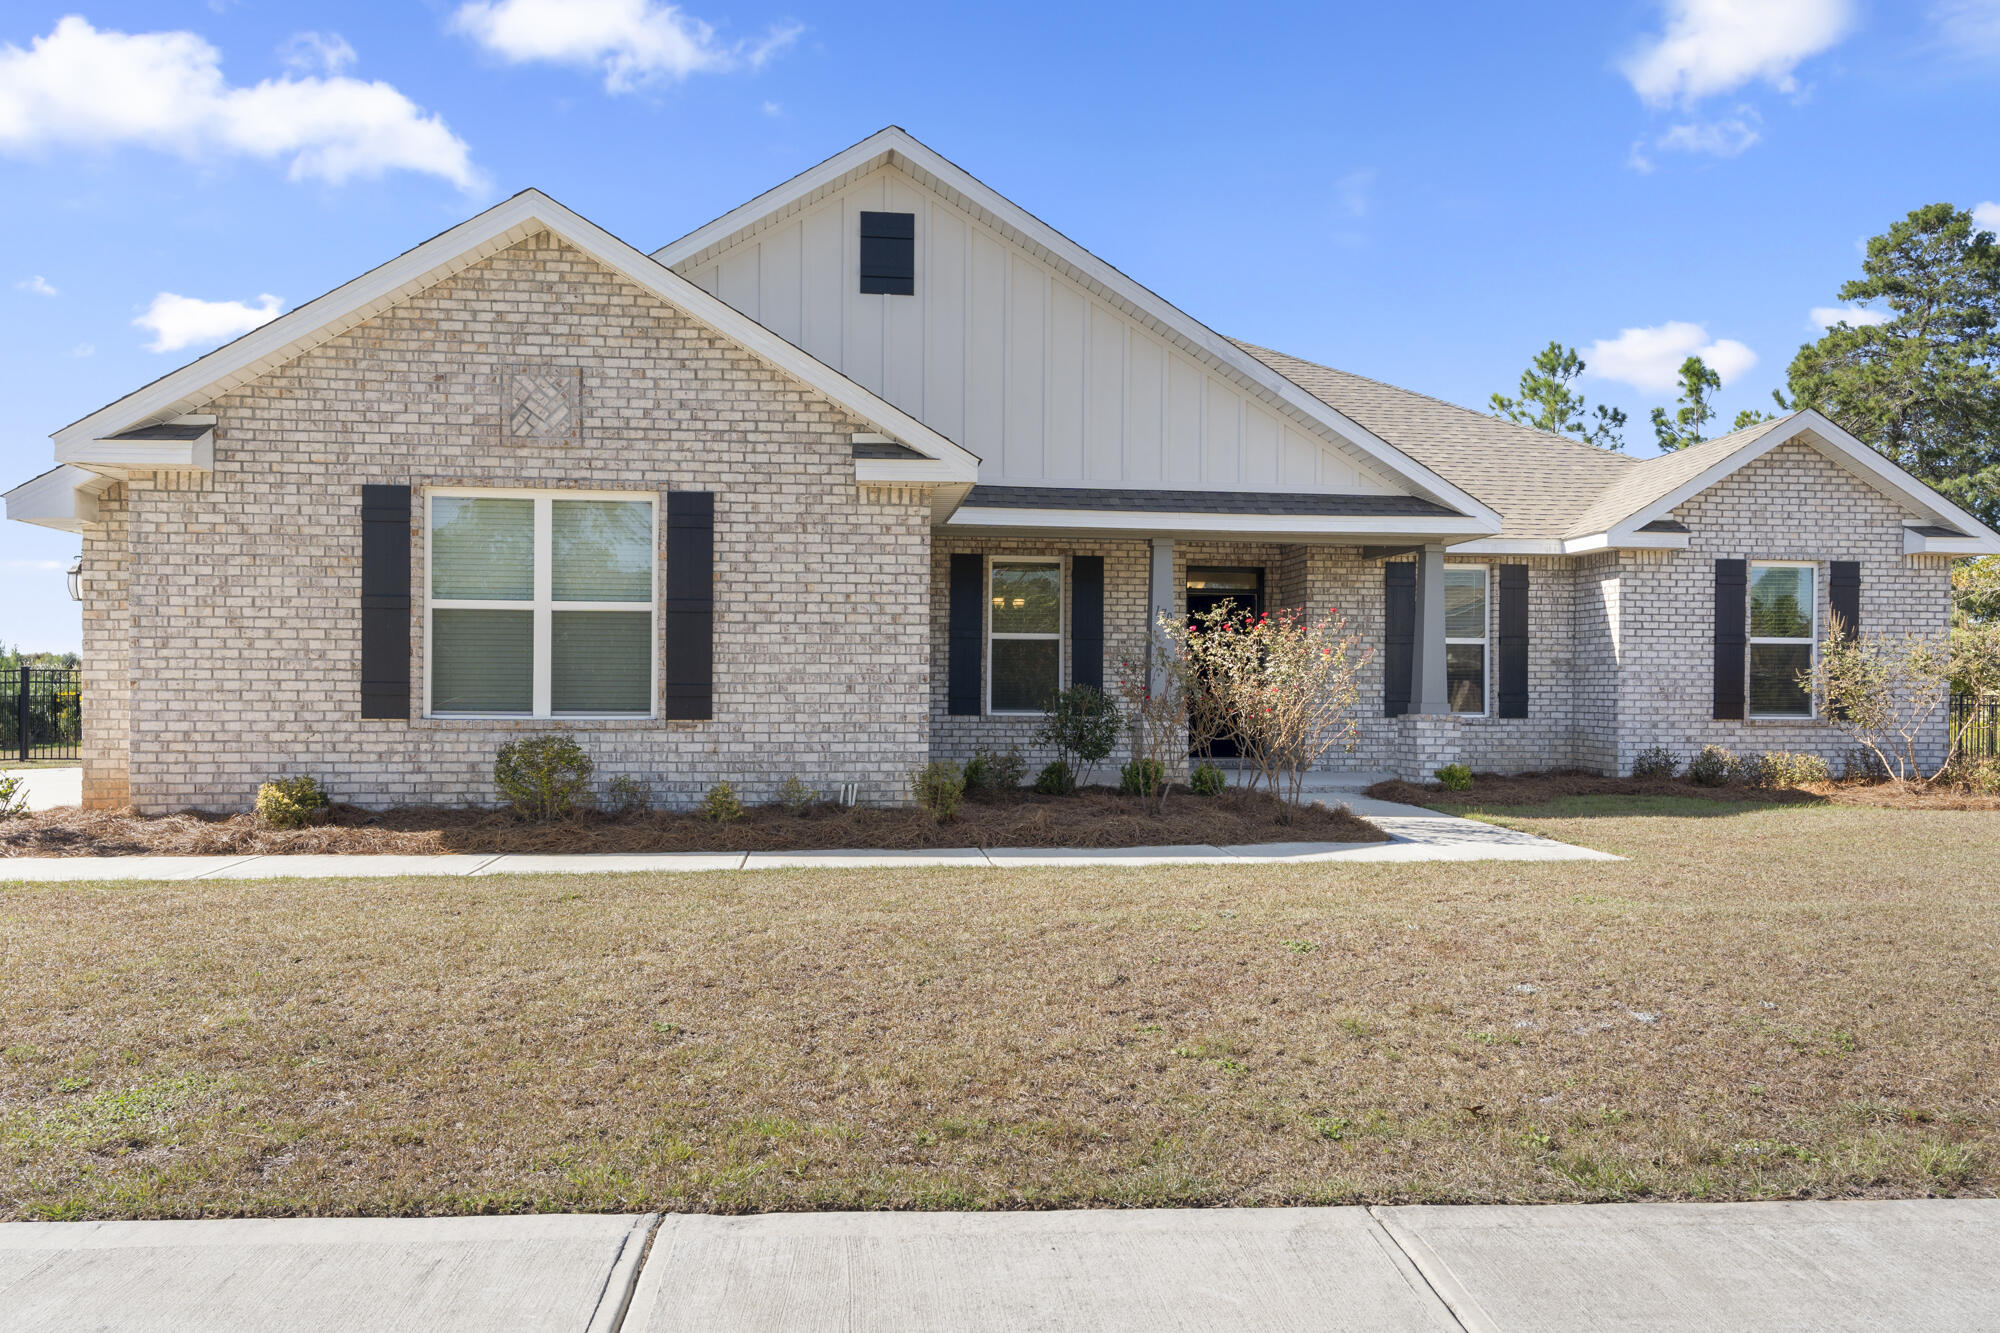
242	622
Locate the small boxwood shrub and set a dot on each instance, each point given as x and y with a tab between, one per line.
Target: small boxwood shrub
628	795
1455	777
1142	777
1056	779
1787	768
795	796
291	802
939	789
1713	767
721	805
1655	761
545	776
1208	780
988	773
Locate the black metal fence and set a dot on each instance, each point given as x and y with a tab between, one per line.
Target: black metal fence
1976	723
41	713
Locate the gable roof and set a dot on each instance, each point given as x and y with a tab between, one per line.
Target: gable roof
897	147
182	391
1655	477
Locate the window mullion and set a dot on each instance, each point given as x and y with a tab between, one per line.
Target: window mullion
544	598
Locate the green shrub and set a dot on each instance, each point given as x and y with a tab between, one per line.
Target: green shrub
1713	767
1056	779
939	788
720	806
795	796
1207	780
987	772
1455	777
13	795
628	795
292	802
1655	762
543	777
1082	727
1746	770
1142	777
1981	777
1786	768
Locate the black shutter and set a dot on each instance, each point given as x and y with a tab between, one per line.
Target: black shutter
690	661
1086	616
967	626
1513	641
889	253
1399	636
1732	630
385	602
1843	595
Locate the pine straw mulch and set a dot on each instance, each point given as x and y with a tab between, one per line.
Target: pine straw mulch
1093	817
1492	789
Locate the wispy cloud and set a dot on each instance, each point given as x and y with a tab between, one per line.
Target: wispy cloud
1727	137
36	566
82	87
185	321
632	42
37	284
317	52
84	349
1649	359
1967	27
1708	47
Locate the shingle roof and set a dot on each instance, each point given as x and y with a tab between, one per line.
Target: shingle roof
1204	502
1545	486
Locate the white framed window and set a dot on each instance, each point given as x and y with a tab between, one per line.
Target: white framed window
1465	631
540	603
1784	637
1023	634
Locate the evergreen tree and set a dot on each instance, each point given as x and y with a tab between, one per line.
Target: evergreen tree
1547	402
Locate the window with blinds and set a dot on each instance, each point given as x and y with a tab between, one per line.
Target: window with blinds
540	604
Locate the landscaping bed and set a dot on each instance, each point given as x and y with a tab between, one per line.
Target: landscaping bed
1493	789
1093	817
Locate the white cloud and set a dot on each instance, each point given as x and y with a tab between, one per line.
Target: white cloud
773	109
317	52
1986	215
38	284
84	88
632	41
1713	46
182	321
1649	359
1968	27
1826	316
1718	138
1354	193
84	349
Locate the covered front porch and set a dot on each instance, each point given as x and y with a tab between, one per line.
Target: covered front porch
1032	591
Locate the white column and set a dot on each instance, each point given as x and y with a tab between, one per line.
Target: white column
1427	678
1161	600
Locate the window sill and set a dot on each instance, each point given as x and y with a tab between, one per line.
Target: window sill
559	720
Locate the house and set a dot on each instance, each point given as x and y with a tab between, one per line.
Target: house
856	476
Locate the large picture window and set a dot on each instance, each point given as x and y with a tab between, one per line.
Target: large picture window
540	604
1465	621
1024	651
1784	624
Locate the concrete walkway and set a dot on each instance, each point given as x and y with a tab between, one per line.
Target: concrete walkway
1416	834
1644	1268
49	788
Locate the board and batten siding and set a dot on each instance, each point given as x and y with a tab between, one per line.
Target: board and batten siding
1042	379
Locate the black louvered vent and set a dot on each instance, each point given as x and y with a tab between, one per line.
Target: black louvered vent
889	253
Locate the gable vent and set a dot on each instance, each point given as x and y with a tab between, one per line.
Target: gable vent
889	253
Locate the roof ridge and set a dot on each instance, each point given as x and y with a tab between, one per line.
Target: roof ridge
1254	348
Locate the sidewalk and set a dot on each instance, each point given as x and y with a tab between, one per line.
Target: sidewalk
1647	1268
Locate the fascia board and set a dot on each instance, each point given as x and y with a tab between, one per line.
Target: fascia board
63	498
1148	304
1260	525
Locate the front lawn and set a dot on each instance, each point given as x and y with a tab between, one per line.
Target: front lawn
1764	1002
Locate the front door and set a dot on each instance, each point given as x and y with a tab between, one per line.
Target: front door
1209	586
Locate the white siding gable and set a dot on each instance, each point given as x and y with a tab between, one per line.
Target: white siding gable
1043	380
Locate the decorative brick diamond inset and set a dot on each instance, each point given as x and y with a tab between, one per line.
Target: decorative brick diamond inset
543	403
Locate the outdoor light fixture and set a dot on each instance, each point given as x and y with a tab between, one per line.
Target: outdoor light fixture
76	580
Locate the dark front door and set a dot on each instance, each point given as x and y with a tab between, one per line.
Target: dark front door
1208	587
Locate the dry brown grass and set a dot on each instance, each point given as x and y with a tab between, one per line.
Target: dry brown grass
1492	789
1764	1002
1094	817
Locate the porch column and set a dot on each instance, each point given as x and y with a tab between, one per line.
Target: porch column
1427	679
1160	601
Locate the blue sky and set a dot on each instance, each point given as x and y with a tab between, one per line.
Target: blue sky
1422	193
